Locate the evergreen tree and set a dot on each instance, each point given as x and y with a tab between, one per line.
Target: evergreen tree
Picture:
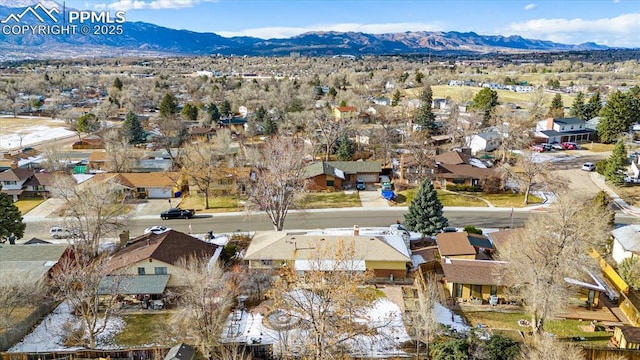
425	212
615	117
577	107
132	129
633	99
270	126
225	108
556	110
425	116
11	219
419	77
168	106
485	100
345	148
593	106
617	162
117	83
214	113
261	113
332	92
189	112
395	100
630	271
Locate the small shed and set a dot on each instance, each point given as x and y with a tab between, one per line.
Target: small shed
626	337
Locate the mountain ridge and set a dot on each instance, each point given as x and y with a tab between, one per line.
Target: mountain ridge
142	36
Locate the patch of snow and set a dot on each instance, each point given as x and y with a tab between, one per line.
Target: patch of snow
49	335
448	318
32	135
477	163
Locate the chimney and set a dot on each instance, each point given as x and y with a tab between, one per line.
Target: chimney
124	238
549	124
356	230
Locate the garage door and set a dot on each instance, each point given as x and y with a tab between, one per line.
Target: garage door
369	178
159	193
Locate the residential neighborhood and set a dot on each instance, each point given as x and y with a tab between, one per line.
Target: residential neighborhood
219	206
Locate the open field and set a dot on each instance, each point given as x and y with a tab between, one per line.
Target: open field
25	131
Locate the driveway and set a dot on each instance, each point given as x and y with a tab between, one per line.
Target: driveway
371	198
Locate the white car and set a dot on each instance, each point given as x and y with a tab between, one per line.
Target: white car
588	166
156	230
58	232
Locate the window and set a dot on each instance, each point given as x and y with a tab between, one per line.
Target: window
494	290
330	183
476	291
141	271
571	127
458	290
266	262
459	181
39	188
161	270
10	183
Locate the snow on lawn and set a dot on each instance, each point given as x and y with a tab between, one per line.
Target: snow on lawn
50	333
33	134
448	318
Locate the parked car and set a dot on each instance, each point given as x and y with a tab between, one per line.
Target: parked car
176	213
537	148
156	230
360	184
557	146
58	232
547	147
570	146
631	180
588	166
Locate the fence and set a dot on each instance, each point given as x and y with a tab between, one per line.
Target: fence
628	306
157	353
19	330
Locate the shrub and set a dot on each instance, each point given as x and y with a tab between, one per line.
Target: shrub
472	230
469	188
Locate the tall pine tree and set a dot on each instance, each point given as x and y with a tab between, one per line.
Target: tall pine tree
11	219
593	106
345	148
425	212
616	117
617	162
577	107
425	116
556	110
132	129
485	100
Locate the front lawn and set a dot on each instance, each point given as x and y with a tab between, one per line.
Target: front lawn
27	204
216	204
567	328
405	197
597	147
510	199
141	329
322	200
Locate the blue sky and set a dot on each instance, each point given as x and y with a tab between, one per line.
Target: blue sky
606	22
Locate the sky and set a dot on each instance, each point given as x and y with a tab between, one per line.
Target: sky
613	23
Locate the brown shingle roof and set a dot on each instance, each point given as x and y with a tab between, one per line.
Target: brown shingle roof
98	156
631	333
452	157
15	174
501	238
44	179
454	243
473	272
167	247
143	180
465	172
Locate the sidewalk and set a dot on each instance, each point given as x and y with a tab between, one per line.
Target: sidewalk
617	200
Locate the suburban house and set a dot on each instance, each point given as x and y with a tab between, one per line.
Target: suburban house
30	263
388	256
89	142
202	133
460	168
234	123
485	141
626	242
625	337
98	161
153	260
24	159
321	176
39	184
464	245
473	280
153	185
14	182
562	130
325	175
345	112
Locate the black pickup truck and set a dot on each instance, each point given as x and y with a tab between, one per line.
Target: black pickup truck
175	213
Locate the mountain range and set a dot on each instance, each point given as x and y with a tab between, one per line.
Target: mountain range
141	38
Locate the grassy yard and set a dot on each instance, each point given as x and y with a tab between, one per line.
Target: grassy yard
471	199
597	147
216	204
141	329
27	204
320	200
561	328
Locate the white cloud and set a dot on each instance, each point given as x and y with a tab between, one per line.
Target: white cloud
530	6
284	31
126	5
619	31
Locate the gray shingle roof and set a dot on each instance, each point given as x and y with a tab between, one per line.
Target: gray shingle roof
628	236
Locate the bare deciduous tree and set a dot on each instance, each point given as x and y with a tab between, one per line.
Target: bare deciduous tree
424	321
328	303
549	348
205	301
79	281
279	181
18	290
551	247
528	170
93	209
119	152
